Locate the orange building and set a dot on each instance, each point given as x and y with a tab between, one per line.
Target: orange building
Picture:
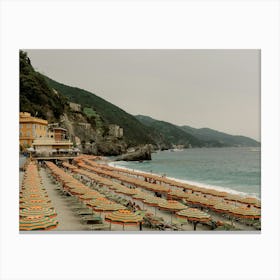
31	128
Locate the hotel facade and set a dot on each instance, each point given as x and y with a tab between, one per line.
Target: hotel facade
31	128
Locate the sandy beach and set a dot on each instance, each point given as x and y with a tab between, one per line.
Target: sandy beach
67	205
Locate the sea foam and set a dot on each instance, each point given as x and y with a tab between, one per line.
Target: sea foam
198	184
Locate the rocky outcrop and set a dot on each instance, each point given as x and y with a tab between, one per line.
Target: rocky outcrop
108	148
143	153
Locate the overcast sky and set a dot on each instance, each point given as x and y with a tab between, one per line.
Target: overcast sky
219	89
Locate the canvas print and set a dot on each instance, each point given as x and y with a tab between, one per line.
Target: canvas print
120	140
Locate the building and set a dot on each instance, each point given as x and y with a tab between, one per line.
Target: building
115	131
49	146
31	128
75	106
59	134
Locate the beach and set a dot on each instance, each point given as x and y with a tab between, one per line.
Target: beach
66	185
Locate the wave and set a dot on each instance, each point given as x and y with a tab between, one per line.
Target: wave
194	183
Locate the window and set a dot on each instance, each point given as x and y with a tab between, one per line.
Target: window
28	133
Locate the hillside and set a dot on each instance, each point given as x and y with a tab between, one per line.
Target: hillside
36	97
214	137
135	132
172	133
204	137
48	99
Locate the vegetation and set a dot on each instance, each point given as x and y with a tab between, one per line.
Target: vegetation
36	97
216	138
48	99
173	134
204	137
135	132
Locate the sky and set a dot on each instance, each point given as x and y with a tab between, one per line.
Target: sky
219	89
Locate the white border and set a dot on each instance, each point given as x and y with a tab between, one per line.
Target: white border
155	24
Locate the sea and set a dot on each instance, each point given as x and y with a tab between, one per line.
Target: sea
235	170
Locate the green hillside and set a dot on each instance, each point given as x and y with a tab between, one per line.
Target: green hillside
172	133
36	97
214	137
134	131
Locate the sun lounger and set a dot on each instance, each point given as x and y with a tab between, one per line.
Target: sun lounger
91	219
100	227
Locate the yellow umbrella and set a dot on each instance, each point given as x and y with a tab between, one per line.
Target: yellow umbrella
223	207
250	200
124	217
172	206
37	211
246	212
37	223
194	215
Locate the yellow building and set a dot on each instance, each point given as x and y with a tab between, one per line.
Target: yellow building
31	128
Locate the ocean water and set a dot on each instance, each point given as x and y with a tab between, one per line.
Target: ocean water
236	170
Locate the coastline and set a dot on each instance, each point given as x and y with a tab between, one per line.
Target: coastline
113	163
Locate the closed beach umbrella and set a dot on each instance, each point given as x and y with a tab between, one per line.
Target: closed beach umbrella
37	223
194	215
124	217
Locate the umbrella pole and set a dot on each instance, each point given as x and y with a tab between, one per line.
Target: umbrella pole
123	226
194	225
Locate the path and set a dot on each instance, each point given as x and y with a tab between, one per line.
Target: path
67	219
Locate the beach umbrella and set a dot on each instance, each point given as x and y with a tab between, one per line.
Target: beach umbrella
211	202
141	196
127	191
97	201
196	199
233	197
37	211
35	204
171	206
194	215
246	212
178	194
124	217
153	201
34	200
91	195
258	204
223	207
108	206
250	200
37	223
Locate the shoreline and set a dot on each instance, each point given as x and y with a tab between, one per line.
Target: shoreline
113	163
